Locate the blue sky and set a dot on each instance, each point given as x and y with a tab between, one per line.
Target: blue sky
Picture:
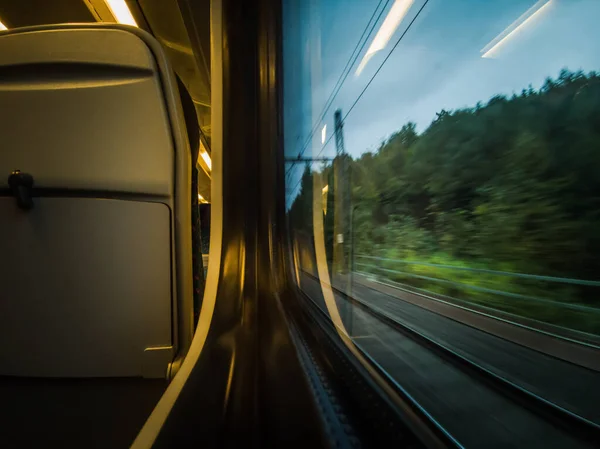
437	64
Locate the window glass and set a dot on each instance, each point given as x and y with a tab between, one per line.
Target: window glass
442	196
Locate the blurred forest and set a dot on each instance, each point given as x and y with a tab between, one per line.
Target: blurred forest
510	185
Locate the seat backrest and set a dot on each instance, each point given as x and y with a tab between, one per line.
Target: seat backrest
96	276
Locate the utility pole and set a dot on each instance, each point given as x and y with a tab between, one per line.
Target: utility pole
339	133
341	222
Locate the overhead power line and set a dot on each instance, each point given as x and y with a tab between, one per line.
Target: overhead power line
345	72
371	80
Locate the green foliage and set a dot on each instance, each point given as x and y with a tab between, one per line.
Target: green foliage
508	185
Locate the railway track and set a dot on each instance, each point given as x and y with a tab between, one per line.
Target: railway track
584	430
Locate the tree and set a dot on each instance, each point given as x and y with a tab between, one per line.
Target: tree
509	184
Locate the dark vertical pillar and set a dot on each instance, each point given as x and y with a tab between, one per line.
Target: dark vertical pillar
342	240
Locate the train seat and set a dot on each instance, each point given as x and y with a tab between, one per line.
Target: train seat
95	219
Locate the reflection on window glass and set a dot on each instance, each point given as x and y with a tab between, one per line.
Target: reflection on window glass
443	200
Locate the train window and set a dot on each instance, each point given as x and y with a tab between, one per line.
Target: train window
443	203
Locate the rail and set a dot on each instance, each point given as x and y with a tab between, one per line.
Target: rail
566	305
557	415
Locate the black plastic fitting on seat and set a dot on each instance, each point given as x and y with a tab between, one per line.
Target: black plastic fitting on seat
21	186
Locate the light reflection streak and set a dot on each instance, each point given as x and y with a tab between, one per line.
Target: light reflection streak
121	12
325	191
527	18
386	31
206	157
321	256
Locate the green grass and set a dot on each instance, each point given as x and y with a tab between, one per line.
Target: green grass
552	312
